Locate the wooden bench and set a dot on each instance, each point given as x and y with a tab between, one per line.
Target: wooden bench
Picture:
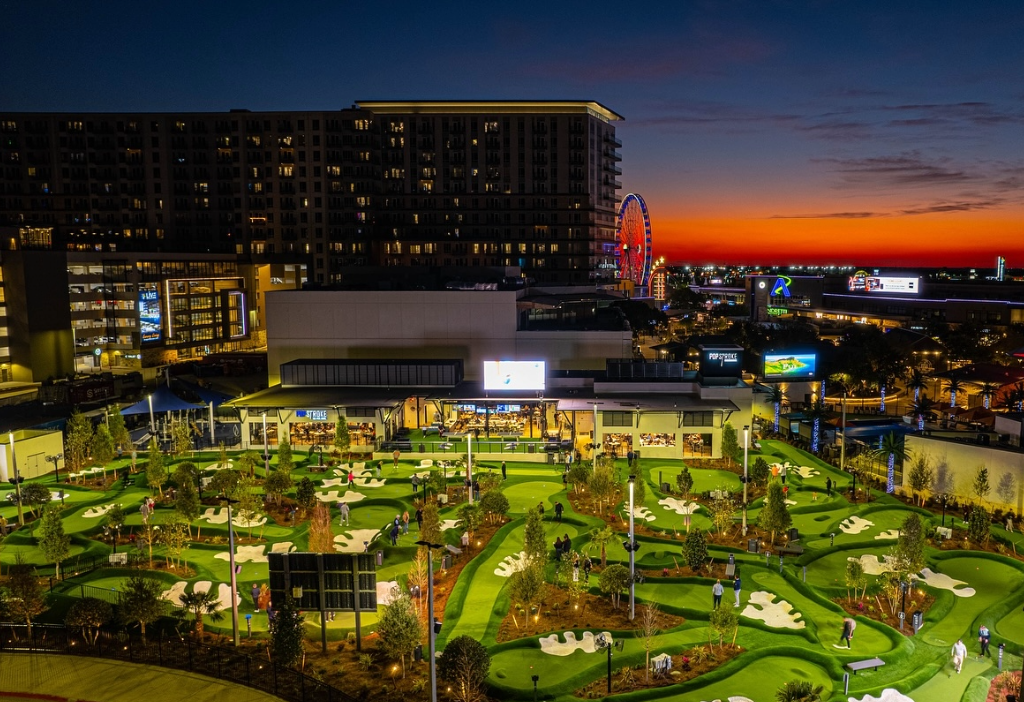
790	550
862	665
453	550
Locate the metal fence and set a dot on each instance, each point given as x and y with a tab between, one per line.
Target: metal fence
221	662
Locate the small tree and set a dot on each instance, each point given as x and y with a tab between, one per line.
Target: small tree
774	516
287	631
464	663
684	481
187	504
1006	489
249	502
89	614
799	691
53	542
77	441
980	487
920	478
579	476
185	472
35	495
601	538
614	579
222	456
647	630
534	540
118	432
731	450
224	481
139	602
431	529
911	543
276	484
721	510
285	461
469	518
115	517
855	578
25	600
760	472
722	622
174	534
495	505
305	495
321	540
417	576
102	445
342	439
639	492
247	463
399	628
437	482
695	550
199	604
156	472
181	438
978	525
524	587
602	484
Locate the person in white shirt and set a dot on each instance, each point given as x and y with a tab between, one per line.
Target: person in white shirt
716	594
959	655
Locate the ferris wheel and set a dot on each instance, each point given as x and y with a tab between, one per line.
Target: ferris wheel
633	240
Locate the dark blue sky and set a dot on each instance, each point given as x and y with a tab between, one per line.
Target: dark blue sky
755	130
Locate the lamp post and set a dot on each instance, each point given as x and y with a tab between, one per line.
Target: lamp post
16	479
632	556
266	446
231	562
746	477
602	642
535	679
152	419
430	616
469	465
56	470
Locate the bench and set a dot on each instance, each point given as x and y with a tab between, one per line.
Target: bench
453	550
862	665
118	558
790	550
944	532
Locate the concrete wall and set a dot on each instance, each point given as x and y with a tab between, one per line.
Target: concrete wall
956	464
31	449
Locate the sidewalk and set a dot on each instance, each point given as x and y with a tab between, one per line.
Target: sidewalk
99	680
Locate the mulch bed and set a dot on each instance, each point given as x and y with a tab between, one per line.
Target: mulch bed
877	608
683	668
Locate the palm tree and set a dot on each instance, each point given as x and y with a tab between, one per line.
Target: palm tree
987	391
953	386
893	448
601	538
199	604
816	413
922	407
799	691
776	396
917	383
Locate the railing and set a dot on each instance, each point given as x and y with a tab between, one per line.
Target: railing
220	662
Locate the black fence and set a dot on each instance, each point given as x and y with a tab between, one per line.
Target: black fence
221	662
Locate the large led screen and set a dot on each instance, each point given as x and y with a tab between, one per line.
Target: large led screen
149	315
514	375
789	365
901	285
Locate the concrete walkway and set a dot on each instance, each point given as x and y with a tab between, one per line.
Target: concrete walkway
99	680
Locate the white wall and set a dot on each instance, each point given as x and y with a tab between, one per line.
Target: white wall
956	464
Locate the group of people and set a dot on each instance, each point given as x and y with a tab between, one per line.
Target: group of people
717	590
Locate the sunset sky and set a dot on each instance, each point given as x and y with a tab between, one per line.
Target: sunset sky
878	133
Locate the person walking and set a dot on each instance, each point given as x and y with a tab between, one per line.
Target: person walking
565	478
419	518
558	548
380	466
344	509
848	626
405	522
504	471
782	473
629	458
587	565
828	487
716	594
558	511
396	455
959	653
394	533
984	638
351	477
566	544
736	585
415	483
255	596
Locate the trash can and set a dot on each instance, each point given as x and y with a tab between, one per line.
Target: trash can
636	455
917	620
423	448
794	534
752	546
380	558
446	562
417	653
551	458
531	448
666	488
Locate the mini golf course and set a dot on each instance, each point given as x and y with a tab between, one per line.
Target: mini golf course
789	621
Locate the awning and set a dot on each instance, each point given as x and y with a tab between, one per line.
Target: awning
163	401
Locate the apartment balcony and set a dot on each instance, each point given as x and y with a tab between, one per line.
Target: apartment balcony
612	154
613	140
608	180
610	167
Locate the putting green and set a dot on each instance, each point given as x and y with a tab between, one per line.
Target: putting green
992	581
524	496
759	681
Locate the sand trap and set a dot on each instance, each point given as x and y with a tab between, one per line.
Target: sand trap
511	564
888	695
804	471
871	565
422	475
944	582
790	502
891	534
178	589
447	524
777	614
332	482
175	592
334	496
386	591
679	506
369	482
219	466
855	525
219	515
245	554
643	514
94	512
588	644
283	547
355	541
734	699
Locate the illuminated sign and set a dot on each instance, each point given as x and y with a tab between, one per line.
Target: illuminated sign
312	415
900	285
514	375
781	286
721	362
790	365
150	318
777	311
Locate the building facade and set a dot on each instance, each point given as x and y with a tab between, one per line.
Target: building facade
527	184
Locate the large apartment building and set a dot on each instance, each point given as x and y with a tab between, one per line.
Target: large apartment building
513	184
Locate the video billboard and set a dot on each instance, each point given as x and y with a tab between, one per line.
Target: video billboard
899	285
150	317
514	375
790	366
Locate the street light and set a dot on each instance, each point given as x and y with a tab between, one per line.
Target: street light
152	420
16	480
632	557
56	470
746	444
266	449
430	615
535	678
602	641
231	562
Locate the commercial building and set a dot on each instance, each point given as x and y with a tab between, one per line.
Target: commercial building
530	184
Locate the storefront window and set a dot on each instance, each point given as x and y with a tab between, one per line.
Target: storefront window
618	444
665	440
363	434
697	445
312	433
256	433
